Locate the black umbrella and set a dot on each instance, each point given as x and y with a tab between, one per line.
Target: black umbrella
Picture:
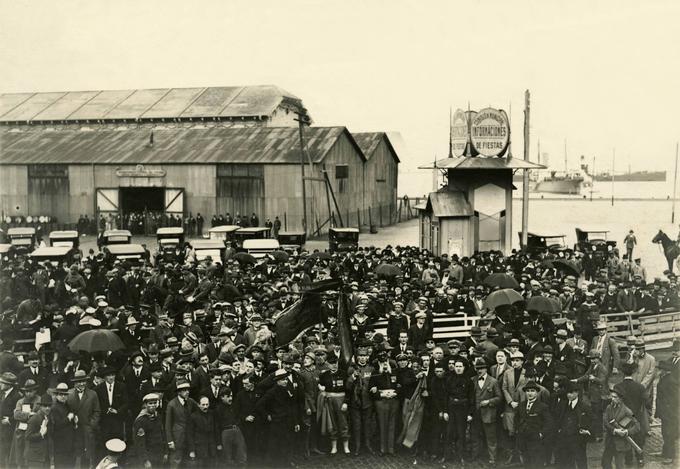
504	297
542	304
321	255
501	281
96	340
244	258
388	270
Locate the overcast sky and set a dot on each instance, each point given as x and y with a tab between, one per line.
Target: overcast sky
602	74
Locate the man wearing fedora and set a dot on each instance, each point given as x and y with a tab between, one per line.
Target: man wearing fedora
487	399
63	429
619	424
22	412
38	434
113	403
84	404
9	395
35	372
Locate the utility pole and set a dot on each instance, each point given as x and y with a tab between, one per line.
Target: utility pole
613	165
302	119
675	182
525	179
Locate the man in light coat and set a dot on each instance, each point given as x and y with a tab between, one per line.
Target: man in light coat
512	384
487	399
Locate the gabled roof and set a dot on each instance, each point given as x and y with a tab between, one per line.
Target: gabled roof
445	203
369	141
145	104
480	162
271	145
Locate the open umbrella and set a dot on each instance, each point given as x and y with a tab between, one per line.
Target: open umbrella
388	270
542	304
504	297
244	258
568	267
501	281
279	256
321	255
96	340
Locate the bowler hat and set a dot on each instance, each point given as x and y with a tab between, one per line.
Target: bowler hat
79	376
29	385
531	384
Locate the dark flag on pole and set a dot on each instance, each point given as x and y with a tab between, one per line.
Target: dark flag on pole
345	329
303	314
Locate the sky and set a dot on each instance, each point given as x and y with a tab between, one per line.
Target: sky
602	74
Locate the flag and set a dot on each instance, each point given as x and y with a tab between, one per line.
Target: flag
303	314
345	329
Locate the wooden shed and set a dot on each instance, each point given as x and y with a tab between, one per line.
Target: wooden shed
380	175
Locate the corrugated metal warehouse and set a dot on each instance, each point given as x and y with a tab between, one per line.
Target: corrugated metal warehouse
181	151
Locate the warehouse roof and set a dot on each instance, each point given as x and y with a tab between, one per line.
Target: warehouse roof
271	145
145	104
368	141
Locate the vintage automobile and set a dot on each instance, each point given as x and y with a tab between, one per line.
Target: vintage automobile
131	253
593	240
292	240
544	242
56	255
169	239
23	239
259	248
64	238
112	237
223	232
209	247
7	252
343	239
240	235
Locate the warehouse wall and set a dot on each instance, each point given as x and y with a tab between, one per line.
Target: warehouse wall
381	183
14	190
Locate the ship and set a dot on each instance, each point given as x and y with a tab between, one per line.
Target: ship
635	176
560	182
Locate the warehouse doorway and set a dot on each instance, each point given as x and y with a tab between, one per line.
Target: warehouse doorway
141	199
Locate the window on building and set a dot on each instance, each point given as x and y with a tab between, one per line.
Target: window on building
381	180
342	177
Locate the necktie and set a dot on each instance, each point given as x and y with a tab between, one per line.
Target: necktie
529	406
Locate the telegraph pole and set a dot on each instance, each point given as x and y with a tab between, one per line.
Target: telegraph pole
613	165
525	179
675	182
302	119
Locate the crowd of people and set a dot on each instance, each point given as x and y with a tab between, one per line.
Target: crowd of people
202	380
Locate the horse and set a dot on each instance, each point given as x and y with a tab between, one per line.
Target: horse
670	248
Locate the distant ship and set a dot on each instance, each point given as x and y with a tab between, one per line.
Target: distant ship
635	176
559	182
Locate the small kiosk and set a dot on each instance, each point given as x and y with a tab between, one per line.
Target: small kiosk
473	210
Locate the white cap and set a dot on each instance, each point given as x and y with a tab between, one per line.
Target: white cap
115	445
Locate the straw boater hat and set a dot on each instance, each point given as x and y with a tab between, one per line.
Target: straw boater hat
115	446
79	376
62	388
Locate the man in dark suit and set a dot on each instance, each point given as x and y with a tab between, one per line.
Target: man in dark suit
36	451
35	372
573	430
133	377
177	417
9	395
533	425
634	397
84	404
487	399
113	404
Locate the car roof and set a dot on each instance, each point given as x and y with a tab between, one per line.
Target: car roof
224	229
21	231
170	230
126	249
49	251
63	234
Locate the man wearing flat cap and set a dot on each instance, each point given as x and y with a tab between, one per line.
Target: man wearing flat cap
619	423
22	412
534	422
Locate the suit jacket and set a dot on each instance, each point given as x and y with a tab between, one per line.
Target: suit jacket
42	379
7	406
619	416
490	391
645	372
634	396
513	391
497	372
177	421
594	388
111	422
531	424
610	352
87	409
36	447
570	421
